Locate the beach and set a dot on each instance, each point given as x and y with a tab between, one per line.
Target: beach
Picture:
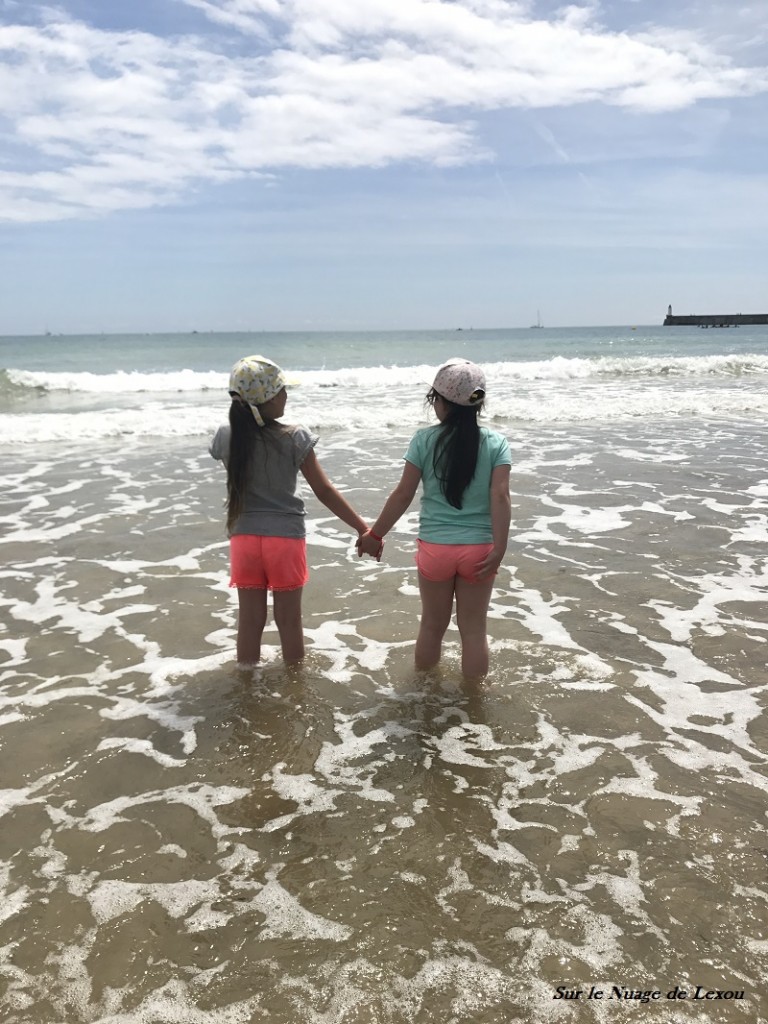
349	841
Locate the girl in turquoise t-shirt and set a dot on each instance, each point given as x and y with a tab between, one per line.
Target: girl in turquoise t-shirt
464	521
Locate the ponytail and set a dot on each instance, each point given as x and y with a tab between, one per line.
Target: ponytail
244	430
456	450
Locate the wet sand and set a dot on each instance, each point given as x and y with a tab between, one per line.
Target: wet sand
349	841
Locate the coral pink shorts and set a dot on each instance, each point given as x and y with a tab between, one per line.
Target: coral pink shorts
440	562
267	563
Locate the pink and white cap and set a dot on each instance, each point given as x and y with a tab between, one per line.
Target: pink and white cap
461	382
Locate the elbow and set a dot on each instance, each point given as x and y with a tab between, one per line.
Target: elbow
501	509
402	499
324	492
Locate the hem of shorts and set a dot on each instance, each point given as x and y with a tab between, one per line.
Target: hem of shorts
467	579
276	590
456	544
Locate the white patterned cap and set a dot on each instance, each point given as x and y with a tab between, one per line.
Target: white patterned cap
256	380
461	382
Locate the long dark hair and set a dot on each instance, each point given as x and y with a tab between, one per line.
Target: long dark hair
243	437
457	447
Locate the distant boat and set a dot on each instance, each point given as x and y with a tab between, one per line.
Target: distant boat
538	325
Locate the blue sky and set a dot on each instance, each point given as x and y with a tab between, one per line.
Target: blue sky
352	164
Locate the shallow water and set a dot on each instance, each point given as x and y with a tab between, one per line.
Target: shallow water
186	841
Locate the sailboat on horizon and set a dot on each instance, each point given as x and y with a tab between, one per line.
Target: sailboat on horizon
538	325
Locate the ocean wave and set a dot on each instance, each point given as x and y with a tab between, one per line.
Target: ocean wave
120	383
102	425
16	383
558	368
618	367
397	412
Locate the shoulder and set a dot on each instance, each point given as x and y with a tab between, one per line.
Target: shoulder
498	446
302	439
492	436
426	435
299	434
219	446
420	442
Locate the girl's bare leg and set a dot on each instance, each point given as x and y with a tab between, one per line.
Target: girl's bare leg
251	619
472	600
288	622
436	608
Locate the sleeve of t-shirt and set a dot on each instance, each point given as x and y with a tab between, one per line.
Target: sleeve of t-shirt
415	453
219	447
303	443
501	455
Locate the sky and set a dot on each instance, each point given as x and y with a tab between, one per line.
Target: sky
243	165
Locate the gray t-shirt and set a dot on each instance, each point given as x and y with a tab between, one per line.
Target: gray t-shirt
272	507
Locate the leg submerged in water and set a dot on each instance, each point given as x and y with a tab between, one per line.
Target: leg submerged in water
436	608
289	624
472	600
251	619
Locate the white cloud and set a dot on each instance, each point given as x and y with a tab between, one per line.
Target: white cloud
244	15
115	120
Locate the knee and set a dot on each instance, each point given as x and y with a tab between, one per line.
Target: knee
471	629
287	609
435	623
287	619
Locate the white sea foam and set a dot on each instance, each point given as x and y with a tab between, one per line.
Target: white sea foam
121	382
353	807
12	899
310	797
502	853
202	799
600	949
556	368
143	747
336	760
151	421
715	592
456	744
191	403
111	898
287	918
625	890
587	520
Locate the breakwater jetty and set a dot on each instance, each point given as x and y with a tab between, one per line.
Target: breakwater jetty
714	319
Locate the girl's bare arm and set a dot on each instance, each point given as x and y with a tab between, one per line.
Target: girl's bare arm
501	511
326	493
399	500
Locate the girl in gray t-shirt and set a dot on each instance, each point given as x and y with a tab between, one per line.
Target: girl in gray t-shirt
265	515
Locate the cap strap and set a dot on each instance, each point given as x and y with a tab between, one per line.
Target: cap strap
254	408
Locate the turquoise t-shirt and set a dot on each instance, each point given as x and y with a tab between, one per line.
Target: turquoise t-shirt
441	523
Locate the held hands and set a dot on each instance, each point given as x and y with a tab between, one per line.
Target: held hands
369	545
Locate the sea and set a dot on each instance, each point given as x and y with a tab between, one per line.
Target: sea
581	838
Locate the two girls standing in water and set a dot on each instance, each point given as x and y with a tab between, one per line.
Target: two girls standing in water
464	522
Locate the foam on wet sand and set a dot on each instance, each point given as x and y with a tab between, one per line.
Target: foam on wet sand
184	840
